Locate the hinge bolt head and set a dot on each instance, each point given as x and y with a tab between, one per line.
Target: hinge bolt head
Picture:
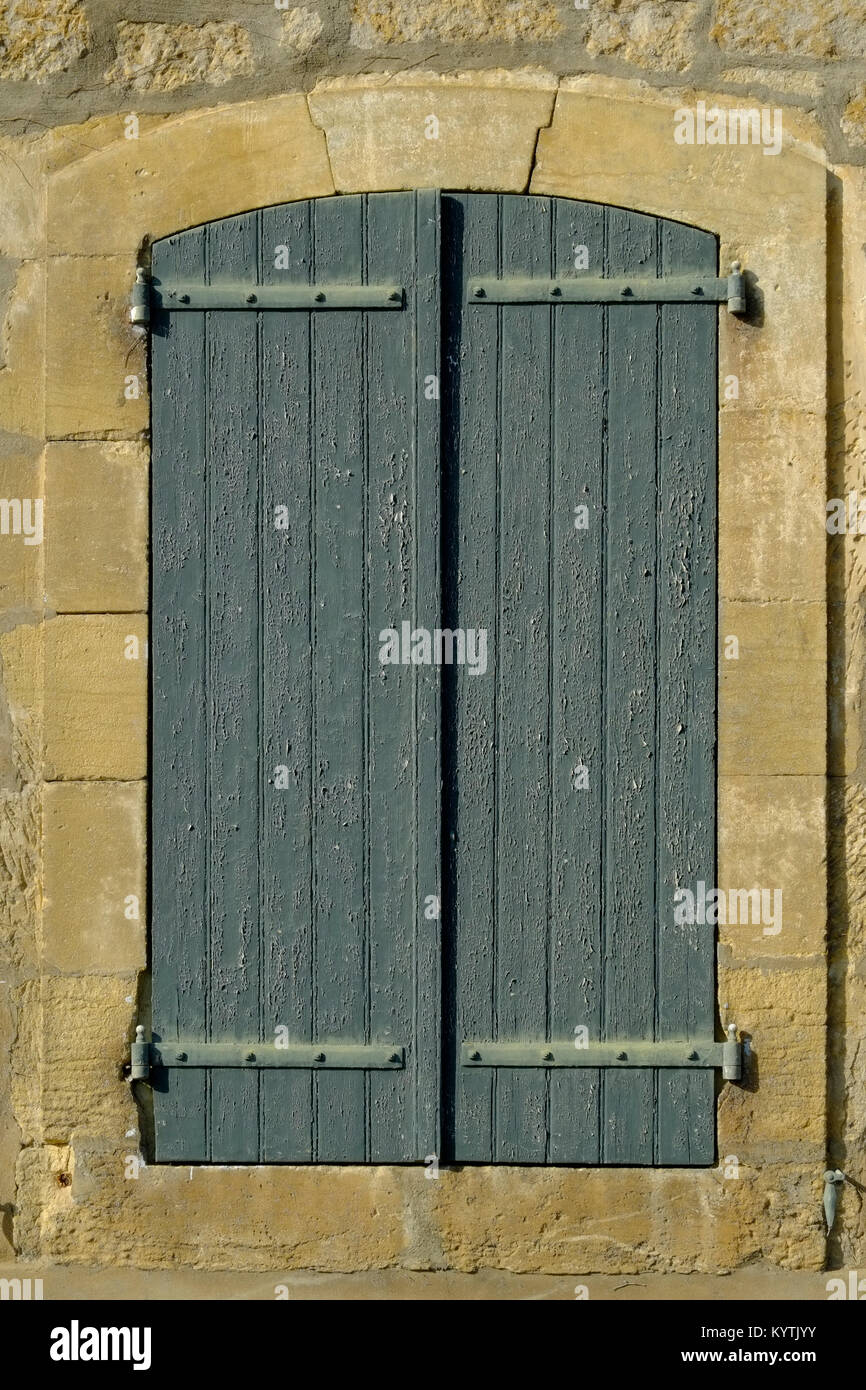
548	1057
478	292
180	1056
251	299
319	1057
694	1056
626	290
320	298
475	1056
250	1057
184	299
395	1057
622	1056
395	295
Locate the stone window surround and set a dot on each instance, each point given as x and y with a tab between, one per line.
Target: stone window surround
604	140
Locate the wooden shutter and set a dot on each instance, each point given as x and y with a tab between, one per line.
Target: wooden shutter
295	804
299	809
560	899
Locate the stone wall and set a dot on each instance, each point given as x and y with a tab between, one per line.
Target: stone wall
301	102
63	61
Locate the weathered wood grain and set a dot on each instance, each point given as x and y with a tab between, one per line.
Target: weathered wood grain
296	757
309	803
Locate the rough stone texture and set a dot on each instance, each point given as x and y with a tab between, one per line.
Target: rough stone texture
10	1134
377	22
22	206
21	668
487	129
95	698
21	377
21	559
854	118
805	85
19	879
768	551
780	1008
768	829
772	702
107	194
847	635
801	28
658	36
162	57
754	1283
94	861
169	57
611	142
847	471
556	1220
847	1079
85	1034
301	29
39	38
86	373
97	528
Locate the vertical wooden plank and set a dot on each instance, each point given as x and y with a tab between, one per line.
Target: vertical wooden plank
576	597
471	424
428	983
522	674
630	693
233	688
686	639
391	538
286	654
178	821
341	655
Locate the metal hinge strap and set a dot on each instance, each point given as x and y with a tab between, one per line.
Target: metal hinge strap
179	297
727	1055
675	289
253	1056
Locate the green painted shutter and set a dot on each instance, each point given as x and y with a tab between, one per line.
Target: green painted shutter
295	804
559	898
301	822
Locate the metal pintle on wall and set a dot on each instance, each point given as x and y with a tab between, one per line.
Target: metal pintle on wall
139	300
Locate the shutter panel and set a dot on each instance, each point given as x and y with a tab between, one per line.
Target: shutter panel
602	655
295	782
302	791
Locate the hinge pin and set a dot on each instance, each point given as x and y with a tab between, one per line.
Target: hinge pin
139	1056
736	289
833	1180
732	1056
139	311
